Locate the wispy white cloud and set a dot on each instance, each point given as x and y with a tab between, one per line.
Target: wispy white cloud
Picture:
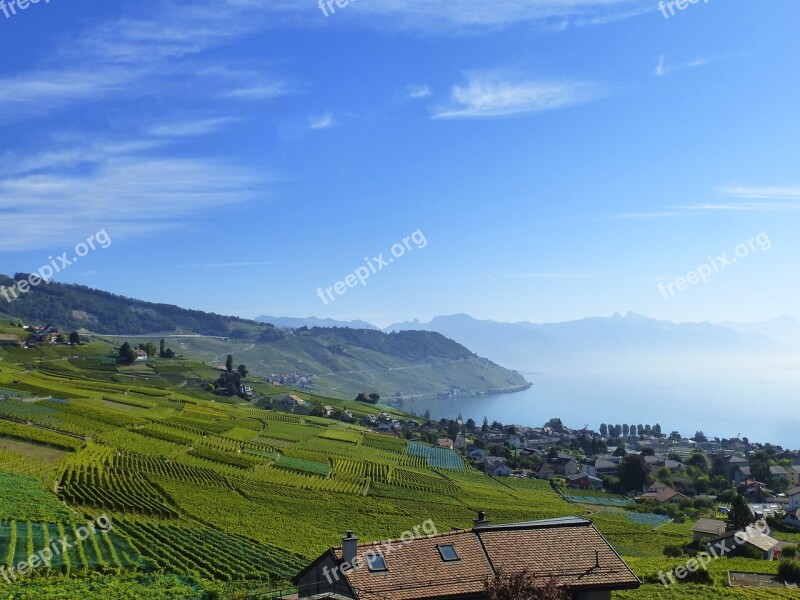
131	193
266	91
418	91
489	94
433	15
742	191
323	121
190	128
739	198
664	68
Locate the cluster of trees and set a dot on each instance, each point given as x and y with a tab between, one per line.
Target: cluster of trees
112	314
402	344
229	383
127	354
372	398
618	431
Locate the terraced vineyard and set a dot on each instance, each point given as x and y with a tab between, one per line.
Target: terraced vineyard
208	496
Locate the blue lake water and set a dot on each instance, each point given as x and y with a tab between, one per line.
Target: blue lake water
756	403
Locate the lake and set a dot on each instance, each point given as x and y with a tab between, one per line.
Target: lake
731	400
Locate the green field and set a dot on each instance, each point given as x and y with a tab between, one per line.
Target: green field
222	497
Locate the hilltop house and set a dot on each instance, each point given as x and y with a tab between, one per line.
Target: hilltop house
446	443
794	475
666	496
794	499
476	453
141	355
43	335
742	474
764	544
584	481
289	402
733	463
779	473
792	519
455	565
10	340
707	529
496	466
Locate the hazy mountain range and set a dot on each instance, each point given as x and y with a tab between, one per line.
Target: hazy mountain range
297	323
530	346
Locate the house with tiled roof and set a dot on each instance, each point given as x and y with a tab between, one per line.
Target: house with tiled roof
496	466
736	541
456	565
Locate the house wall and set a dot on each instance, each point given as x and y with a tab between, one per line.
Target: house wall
314	582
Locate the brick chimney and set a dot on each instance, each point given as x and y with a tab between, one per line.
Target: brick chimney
349	546
481	521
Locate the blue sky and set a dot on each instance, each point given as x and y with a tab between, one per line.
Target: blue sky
561	158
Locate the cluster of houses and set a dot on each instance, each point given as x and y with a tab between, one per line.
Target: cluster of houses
298	380
48	334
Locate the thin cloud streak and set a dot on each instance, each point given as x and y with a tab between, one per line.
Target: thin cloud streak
492	95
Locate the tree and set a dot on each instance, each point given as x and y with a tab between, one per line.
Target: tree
169	353
471	425
633	429
699	461
522	586
362	397
555	424
229	364
126	354
162	350
75	338
740	515
633	472
657	430
150	348
620	451
700	437
485	426
242	370
760	467
604	430
648	430
374	398
626	430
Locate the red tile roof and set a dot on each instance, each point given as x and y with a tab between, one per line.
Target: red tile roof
571	550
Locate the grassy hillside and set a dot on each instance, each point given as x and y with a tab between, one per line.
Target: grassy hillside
212	499
344	361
